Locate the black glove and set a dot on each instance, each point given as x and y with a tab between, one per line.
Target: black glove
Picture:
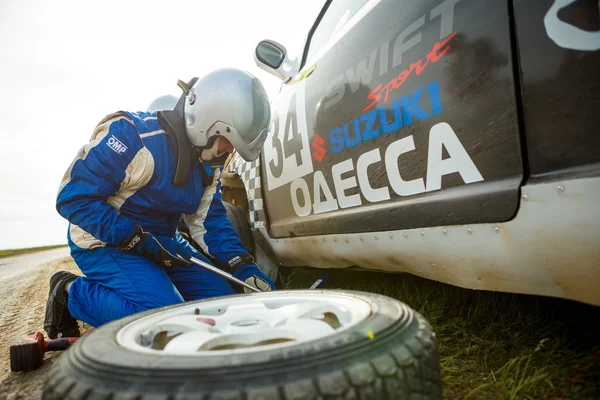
164	250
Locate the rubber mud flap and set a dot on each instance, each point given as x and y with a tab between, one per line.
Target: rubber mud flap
390	354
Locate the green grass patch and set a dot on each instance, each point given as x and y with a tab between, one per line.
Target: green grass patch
493	345
12	252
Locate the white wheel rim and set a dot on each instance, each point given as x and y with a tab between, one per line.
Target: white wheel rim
243	324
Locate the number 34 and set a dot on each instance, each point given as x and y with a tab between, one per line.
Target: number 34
287	151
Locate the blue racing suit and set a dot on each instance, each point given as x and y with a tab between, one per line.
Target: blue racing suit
122	178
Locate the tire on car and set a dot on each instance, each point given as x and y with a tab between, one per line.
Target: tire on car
239	222
377	348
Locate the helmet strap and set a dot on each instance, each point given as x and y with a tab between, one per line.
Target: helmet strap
174	125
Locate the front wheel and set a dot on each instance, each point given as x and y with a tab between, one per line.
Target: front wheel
275	345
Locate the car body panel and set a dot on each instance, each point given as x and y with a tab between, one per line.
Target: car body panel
550	248
519	92
442	149
559	43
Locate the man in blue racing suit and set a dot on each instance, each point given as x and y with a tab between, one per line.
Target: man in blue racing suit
127	189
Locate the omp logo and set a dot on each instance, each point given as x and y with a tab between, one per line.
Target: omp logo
116	145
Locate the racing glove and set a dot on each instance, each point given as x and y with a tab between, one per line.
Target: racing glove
250	274
165	251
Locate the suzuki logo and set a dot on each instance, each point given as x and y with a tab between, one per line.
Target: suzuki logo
317	145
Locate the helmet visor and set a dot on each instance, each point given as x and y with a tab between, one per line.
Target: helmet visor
261	114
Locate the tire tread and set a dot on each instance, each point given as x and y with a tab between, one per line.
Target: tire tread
408	369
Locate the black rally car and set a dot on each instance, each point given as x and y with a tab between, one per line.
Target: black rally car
456	140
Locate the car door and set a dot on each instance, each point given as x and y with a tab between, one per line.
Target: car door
559	53
403	115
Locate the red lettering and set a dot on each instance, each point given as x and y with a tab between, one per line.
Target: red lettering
402	77
388	88
374	96
419	66
433	56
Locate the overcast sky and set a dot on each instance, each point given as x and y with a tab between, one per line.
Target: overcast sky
64	65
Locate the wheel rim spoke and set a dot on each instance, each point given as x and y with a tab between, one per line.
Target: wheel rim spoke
243	324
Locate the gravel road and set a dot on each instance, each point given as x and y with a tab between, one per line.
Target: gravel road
19	271
24	281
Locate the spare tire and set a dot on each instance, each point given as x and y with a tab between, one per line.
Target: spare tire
277	345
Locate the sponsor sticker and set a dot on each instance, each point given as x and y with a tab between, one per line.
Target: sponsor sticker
116	145
403	110
569	36
287	150
347	175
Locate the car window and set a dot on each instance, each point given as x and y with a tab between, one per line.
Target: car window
336	16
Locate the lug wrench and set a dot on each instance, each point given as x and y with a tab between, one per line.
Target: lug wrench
224	274
232	278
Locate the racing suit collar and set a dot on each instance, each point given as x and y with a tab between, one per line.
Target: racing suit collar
174	125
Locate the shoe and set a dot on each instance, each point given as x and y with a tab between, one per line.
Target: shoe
58	321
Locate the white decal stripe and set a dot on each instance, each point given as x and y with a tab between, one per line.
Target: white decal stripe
566	35
137	175
195	222
150	118
84	239
292	168
158	132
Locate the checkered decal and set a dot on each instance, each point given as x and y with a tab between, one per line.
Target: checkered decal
250	174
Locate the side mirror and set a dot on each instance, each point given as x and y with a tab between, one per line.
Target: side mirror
270	54
272	57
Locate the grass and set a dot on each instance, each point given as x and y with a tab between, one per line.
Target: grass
493	345
12	252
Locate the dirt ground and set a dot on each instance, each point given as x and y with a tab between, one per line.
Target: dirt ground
532	348
31	286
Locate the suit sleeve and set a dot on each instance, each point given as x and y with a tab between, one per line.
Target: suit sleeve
89	195
211	229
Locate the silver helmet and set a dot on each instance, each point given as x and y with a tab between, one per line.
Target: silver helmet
230	103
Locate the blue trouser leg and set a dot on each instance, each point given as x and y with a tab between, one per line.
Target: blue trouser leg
195	283
118	284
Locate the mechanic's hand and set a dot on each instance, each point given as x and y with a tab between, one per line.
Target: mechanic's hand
164	250
250	274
